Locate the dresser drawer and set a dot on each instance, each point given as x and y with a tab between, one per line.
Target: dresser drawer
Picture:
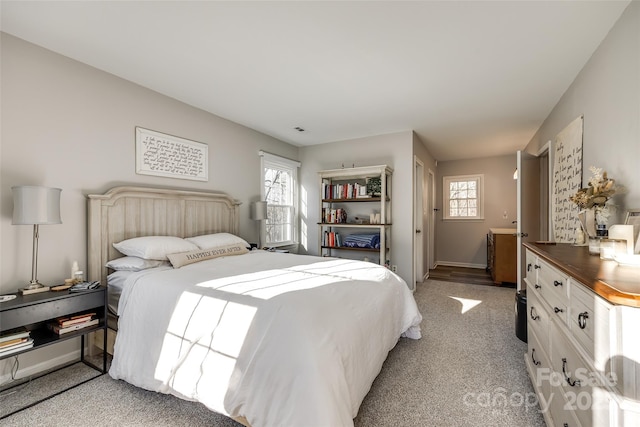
558	309
589	324
540	284
559	408
574	375
558	282
530	268
537	318
539	368
555	286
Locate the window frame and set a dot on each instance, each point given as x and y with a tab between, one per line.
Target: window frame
273	161
447	180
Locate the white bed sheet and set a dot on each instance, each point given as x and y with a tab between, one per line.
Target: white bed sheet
280	339
117	281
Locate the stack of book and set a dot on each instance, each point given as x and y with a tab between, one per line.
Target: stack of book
15	340
69	324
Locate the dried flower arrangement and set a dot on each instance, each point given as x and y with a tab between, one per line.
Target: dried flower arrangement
600	189
596	195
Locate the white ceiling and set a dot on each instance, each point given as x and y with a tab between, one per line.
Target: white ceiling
472	79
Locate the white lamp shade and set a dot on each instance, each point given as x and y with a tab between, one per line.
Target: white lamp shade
36	205
258	210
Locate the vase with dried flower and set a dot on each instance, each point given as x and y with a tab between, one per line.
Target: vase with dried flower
593	203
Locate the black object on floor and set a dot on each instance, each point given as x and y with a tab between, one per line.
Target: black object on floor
521	315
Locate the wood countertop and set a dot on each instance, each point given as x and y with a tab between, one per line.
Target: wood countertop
615	283
502	230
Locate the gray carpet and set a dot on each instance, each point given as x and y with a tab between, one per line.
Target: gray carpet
467	370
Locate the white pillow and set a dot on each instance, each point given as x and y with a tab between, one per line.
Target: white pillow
178	260
210	241
132	263
154	247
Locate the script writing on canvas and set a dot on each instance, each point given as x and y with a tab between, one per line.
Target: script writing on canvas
567	179
165	155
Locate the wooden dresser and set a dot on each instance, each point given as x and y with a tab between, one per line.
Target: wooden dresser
583	317
502	254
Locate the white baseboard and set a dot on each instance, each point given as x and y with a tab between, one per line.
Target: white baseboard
460	264
37	368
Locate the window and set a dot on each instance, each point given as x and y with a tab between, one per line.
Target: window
279	189
463	197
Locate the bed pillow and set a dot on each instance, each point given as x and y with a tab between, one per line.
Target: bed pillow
132	263
178	260
216	240
154	247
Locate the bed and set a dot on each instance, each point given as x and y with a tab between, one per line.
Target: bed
264	338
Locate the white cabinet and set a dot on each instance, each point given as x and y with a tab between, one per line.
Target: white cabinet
583	355
356	207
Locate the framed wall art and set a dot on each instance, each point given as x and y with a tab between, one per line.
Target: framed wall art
170	156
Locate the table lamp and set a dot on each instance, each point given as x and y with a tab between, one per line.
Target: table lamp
258	212
35	206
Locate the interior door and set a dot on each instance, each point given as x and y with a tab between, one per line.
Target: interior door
528	206
418	221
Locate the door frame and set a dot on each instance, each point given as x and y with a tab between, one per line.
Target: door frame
418	221
523	235
431	220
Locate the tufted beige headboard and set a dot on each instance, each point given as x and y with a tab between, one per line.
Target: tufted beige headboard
126	212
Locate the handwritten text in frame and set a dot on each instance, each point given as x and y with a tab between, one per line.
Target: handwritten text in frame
169	156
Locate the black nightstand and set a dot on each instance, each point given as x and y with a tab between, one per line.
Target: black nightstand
35	311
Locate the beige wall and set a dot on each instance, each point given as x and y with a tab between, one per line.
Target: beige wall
68	125
607	93
463	243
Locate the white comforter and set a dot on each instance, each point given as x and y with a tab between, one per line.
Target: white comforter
280	339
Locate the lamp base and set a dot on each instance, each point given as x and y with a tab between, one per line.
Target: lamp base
33	288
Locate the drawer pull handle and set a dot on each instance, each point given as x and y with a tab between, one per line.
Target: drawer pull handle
535	362
568	377
533	316
536	266
582	319
558	310
537	286
557	283
529	267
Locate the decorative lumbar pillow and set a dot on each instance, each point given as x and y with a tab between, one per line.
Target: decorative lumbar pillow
132	263
154	247
216	240
178	260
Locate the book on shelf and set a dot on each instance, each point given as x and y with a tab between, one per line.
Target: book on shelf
75	327
351	190
13	334
12	342
334	216
63	322
332	239
23	344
